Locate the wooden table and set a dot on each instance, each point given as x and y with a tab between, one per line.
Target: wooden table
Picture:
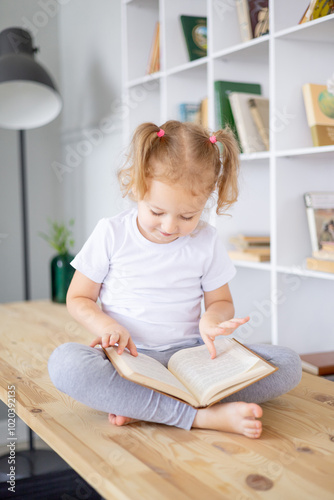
293	459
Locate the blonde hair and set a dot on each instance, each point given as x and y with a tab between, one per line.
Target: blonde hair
183	155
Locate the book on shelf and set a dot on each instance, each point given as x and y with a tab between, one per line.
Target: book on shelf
321	265
259	108
192	376
153	65
249	256
253	17
320	217
189	111
318	363
319	107
246	241
223	111
195	34
323	255
316	9
194	112
245	25
247	128
259	16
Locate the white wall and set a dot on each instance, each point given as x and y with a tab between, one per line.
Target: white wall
43	145
80	46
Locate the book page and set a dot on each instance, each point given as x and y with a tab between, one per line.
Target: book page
205	376
149	372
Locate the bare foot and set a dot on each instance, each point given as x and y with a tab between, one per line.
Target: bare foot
120	420
239	417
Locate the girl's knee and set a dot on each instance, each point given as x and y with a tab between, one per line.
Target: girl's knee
62	360
289	362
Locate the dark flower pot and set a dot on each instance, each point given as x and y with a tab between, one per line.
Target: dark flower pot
61	275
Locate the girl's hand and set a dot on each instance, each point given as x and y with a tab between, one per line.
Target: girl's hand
117	335
210	330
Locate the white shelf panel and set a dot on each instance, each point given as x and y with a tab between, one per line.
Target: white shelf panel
187	66
305	272
261	155
143	79
262	266
322	152
255	48
319	30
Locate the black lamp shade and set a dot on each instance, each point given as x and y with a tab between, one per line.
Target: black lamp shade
28	96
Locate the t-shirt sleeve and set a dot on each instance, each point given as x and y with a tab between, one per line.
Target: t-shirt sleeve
220	269
93	260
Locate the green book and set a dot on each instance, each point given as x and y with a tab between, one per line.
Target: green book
224	115
195	34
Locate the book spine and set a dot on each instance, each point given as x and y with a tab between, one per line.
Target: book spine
237	115
244	20
259	123
311	222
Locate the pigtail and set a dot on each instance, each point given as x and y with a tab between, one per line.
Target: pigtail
136	170
227	182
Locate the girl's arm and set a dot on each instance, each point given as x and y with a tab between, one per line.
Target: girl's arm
218	317
81	304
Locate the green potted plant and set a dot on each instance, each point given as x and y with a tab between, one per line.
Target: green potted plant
60	238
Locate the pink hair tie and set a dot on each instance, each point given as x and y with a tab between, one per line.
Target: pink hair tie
213	139
161	133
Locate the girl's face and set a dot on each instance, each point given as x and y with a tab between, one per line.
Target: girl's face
168	212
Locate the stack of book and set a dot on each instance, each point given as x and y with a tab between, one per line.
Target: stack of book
153	65
251	248
320	217
241	106
253	17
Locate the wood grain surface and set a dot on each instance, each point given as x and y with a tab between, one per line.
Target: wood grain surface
293	459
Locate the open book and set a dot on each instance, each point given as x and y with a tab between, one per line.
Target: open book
192	376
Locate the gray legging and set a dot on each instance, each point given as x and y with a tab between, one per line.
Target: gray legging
85	374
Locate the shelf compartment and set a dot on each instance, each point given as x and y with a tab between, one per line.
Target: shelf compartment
305	316
296	63
294	177
180	90
254	302
251	214
176	49
140	15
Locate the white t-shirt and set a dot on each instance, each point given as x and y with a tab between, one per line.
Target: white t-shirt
154	290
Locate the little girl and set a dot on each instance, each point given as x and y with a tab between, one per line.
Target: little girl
150	266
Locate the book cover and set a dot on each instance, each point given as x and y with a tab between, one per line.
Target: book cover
245	25
259	16
191	375
223	111
259	108
319	107
195	34
322	8
318	363
320	218
248	133
154	59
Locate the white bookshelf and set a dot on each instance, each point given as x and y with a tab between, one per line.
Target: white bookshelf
288	304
